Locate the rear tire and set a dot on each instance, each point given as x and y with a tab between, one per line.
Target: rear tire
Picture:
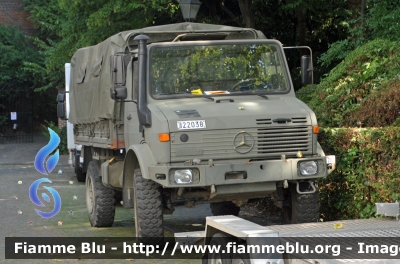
80	175
100	200
300	208
224	208
148	210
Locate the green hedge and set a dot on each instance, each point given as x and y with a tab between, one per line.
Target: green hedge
363	90
368	171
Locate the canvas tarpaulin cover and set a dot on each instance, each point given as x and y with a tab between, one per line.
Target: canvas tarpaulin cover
90	67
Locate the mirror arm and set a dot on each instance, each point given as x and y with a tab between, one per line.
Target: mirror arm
312	69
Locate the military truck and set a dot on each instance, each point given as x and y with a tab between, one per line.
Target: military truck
192	113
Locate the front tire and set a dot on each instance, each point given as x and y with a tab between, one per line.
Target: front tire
148	210
300	208
100	200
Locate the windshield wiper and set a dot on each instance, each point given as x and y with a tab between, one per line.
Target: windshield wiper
263	96
209	97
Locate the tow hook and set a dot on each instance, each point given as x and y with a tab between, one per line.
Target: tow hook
311	183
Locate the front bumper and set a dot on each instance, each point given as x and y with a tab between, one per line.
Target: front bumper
267	171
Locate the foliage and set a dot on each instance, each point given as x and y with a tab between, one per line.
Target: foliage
3	120
368	171
62	133
337	52
19	61
363	90
16	53
381	20
65	26
63	147
52	126
47	17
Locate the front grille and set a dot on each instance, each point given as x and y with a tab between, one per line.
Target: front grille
294	120
269	143
264	121
299	120
284	140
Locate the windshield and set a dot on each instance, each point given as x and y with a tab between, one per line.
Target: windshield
216	70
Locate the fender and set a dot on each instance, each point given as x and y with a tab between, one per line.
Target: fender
136	156
319	150
144	157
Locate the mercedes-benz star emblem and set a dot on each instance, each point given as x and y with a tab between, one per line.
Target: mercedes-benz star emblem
243	142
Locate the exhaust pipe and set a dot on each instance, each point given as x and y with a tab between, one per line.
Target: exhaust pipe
144	113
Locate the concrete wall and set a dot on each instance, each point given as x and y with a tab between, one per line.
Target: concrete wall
12	14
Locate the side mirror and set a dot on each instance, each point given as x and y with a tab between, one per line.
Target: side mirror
117	67
61	98
61	113
306	70
117	70
118	92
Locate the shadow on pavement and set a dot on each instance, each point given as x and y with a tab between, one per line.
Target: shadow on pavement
25	153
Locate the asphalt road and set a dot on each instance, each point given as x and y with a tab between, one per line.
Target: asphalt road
18	217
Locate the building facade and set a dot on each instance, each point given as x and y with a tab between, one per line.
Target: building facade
12	14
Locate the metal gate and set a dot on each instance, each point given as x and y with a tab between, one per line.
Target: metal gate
16	118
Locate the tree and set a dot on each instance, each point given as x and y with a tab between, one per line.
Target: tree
246	7
67	25
381	20
16	56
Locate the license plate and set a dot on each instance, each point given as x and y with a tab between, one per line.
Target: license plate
195	124
331	159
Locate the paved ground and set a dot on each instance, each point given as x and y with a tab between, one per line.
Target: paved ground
24	153
19	219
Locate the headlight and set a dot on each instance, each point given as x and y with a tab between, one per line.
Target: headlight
183	176
308	168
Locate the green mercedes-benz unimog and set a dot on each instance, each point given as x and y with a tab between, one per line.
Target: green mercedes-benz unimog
192	113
